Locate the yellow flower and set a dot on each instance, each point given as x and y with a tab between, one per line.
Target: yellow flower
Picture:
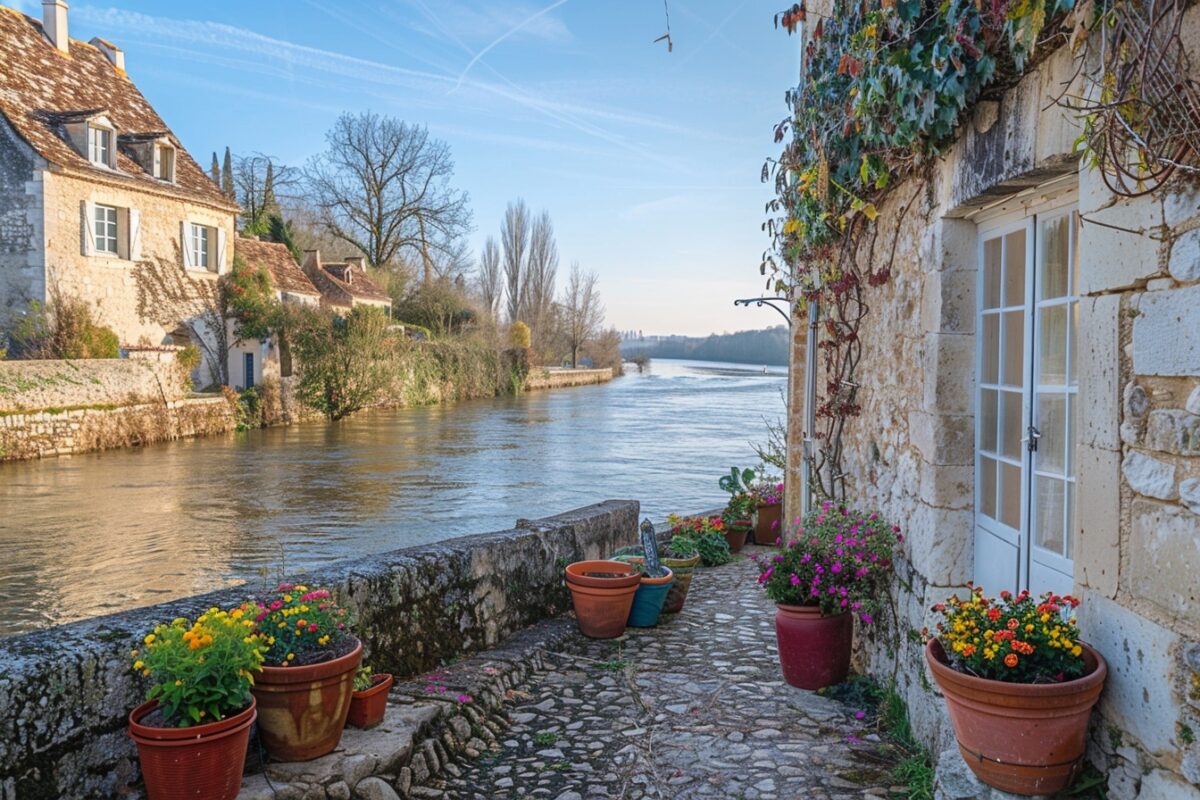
291	656
145	673
138	665
179	683
149	638
1076	651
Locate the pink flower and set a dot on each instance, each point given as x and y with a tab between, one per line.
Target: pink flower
795	579
463	698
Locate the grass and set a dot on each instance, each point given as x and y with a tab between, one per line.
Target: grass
545	739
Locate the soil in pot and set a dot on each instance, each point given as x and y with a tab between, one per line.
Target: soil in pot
766	525
368	706
814	649
648	600
203	762
602	593
736	533
685	570
302	710
1024	738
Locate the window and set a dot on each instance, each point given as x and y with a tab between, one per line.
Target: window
100	146
106	230
248	366
199	246
164	163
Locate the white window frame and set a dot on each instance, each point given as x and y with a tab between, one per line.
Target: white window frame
100	142
106	230
200	246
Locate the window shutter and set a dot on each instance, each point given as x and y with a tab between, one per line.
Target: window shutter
135	235
88	211
220	251
157	160
185	244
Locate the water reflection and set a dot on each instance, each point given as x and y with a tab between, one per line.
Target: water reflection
88	535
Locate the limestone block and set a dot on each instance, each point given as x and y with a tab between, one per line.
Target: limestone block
1138	696
1099	378
1136	406
1185	257
943	438
1163	785
953	780
1173	431
374	789
940	542
1149	476
1164	557
1192	406
950	487
948	302
1189	493
1097	545
1181	204
1166	333
949	373
338	790
1112	258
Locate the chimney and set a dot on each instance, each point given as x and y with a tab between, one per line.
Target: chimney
357	261
312	260
113	53
54	23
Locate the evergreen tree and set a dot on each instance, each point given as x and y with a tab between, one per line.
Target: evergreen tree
215	171
227	176
281	232
270	206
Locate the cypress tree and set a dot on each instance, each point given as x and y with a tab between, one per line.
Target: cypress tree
281	232
215	171
227	176
270	206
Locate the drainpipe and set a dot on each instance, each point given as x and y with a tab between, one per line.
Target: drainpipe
810	362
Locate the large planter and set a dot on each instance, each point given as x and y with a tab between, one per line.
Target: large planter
302	710
1023	738
602	593
684	569
736	532
814	649
648	600
203	762
766	526
368	706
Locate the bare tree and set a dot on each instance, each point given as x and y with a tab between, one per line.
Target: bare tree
514	238
260	180
383	187
540	274
168	296
583	309
488	277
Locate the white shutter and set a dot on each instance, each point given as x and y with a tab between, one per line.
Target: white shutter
135	235
157	160
220	250
86	232
185	244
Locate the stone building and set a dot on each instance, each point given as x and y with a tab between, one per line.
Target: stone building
345	284
93	181
1030	393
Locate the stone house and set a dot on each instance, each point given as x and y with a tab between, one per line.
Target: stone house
93	181
345	284
1030	414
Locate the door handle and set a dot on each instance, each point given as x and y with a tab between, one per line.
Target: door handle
1031	438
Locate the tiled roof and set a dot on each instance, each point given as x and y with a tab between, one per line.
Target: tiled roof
286	275
342	283
41	88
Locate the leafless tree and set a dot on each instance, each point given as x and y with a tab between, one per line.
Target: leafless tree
584	311
488	277
383	186
540	274
514	238
168	296
260	180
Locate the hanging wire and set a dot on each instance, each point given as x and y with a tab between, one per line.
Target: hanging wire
666	36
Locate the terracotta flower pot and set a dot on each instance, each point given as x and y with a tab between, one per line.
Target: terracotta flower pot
736	532
602	593
203	762
766	527
684	569
814	649
1020	737
302	710
648	600
368	706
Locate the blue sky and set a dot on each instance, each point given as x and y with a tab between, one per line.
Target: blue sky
648	162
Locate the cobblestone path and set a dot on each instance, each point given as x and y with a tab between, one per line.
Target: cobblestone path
695	708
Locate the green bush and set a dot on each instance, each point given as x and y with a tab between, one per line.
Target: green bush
67	330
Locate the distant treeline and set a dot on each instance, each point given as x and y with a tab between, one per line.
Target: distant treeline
768	346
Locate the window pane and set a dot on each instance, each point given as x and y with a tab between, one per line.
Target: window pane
1010	409
1073	352
1014	348
1052	334
1072	415
990	368
1052	422
991	273
1074	253
987	420
987	486
1070	520
1050	499
1014	268
1010	495
1054	273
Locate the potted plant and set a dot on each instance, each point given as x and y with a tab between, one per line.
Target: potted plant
602	593
651	593
368	703
832	570
681	556
1019	686
308	677
192	732
768	498
709	534
739	511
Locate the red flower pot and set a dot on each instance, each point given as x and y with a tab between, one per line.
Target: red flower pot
368	706
766	527
814	649
302	710
602	593
203	762
736	532
1023	738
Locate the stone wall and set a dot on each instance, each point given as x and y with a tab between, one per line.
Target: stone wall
65	692
38	385
556	378
22	274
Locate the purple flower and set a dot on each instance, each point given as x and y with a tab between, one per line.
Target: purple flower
795	579
860	714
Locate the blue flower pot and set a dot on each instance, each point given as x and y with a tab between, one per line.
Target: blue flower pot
648	602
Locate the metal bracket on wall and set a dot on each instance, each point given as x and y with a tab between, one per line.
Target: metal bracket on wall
770	301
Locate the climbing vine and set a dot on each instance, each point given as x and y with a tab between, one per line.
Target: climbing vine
885	87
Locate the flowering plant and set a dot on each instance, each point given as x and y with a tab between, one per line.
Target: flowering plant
1017	639
767	491
201	671
364	679
301	626
706	534
838	559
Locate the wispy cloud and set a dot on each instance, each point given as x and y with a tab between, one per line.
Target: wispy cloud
507	34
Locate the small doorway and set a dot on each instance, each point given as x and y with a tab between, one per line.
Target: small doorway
249	366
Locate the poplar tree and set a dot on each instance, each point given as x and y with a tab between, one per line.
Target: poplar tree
227	176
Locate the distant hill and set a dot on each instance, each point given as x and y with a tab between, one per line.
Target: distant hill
768	346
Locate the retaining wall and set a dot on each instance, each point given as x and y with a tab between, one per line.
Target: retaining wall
39	385
65	692
555	378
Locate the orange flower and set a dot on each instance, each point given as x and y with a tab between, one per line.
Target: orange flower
1010	660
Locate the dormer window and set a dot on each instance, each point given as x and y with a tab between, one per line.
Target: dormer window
164	162
100	146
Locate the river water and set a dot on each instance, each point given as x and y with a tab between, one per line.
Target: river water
87	535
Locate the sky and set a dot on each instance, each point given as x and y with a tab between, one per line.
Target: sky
648	161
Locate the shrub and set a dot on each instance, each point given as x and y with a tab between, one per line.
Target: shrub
346	363
67	329
301	626
519	336
707	535
201	672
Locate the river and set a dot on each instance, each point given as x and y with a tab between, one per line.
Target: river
87	535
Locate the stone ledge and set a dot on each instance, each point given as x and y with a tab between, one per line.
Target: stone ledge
953	780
